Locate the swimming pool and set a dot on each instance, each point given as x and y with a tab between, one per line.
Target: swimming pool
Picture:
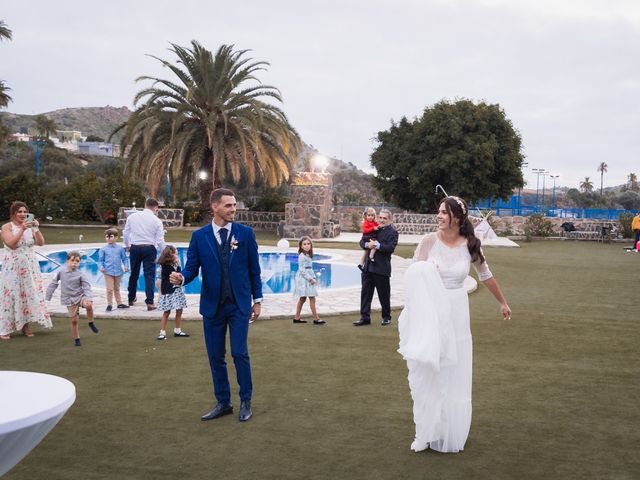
278	271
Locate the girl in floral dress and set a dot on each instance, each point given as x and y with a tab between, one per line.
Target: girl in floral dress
21	285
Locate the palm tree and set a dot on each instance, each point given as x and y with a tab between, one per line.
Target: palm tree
602	168
633	182
213	118
5	32
586	185
45	125
4	96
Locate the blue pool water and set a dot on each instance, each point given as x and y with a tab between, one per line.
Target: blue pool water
278	271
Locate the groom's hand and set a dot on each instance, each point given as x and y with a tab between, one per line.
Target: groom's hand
255	312
175	278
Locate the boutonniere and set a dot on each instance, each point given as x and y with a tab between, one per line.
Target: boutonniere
233	243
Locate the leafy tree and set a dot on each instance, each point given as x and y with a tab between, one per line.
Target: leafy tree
45	126
471	149
629	200
586	185
632	182
602	168
215	117
94	138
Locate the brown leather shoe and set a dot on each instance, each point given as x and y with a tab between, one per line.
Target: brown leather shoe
151	307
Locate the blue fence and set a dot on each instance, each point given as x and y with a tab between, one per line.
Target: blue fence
514	207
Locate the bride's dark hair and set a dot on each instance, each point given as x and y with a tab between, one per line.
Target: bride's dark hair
457	208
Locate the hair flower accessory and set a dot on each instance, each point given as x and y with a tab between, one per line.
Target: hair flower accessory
233	243
460	203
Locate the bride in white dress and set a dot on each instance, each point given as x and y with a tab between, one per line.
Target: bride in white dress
435	336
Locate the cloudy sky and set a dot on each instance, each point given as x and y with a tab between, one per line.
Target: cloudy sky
566	72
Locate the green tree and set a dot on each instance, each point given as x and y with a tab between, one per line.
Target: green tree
629	200
633	182
5	33
45	126
471	149
94	138
4	96
214	117
586	185
602	168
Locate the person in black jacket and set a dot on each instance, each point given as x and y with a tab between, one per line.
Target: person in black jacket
376	275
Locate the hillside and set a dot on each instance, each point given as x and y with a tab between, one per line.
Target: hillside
99	121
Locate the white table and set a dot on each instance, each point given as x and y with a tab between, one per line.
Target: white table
30	406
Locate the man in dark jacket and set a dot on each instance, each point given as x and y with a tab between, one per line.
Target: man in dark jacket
376	273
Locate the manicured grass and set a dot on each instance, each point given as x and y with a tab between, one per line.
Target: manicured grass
555	390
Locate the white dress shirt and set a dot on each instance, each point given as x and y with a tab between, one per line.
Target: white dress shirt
216	233
144	228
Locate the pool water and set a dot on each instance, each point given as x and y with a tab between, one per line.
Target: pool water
278	271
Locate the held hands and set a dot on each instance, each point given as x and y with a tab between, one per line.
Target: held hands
313	281
176	278
370	244
506	311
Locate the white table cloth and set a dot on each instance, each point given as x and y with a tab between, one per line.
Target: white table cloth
30	406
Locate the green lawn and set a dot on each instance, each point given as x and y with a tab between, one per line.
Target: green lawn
556	390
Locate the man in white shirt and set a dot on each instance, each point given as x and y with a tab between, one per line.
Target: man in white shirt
144	239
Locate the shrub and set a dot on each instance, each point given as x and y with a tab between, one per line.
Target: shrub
625	223
537	225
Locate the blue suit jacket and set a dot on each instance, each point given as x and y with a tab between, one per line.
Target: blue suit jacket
244	268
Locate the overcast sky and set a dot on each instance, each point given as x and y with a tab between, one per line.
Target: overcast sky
566	72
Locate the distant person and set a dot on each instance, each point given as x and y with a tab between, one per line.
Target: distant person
144	238
171	296
113	262
75	293
369	229
230	297
435	334
376	275
306	284
23	299
635	226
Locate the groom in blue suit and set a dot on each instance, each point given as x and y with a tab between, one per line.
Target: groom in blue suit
227	253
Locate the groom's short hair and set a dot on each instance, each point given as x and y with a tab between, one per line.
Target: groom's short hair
218	193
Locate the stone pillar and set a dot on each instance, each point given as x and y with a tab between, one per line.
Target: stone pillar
309	212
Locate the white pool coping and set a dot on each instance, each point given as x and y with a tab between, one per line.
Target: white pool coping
334	301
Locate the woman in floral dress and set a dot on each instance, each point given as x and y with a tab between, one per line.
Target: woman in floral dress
22	299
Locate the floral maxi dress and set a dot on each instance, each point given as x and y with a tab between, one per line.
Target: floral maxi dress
22	288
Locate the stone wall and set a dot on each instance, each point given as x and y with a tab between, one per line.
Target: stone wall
348	215
260	220
309	212
171	217
515	225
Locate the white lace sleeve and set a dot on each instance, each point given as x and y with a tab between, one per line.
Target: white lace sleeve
482	269
424	247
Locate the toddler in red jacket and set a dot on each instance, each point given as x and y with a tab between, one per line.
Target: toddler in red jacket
369	230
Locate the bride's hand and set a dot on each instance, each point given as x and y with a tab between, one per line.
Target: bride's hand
506	311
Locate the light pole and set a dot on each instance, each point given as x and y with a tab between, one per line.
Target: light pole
553	197
544	177
168	190
537	171
37	144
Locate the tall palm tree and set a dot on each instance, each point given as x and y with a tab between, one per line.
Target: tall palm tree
4	96
586	185
45	125
633	182
602	168
5	32
213	117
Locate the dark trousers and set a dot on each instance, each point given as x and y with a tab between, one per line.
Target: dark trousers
144	255
380	283
215	333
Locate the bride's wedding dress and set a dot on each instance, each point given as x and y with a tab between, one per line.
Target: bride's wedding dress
435	340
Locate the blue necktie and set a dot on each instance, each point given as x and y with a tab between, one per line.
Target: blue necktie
223	236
